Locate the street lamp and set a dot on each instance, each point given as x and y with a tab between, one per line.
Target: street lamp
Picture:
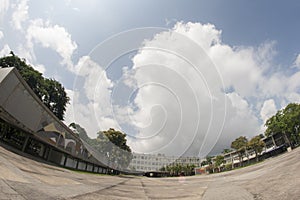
107	153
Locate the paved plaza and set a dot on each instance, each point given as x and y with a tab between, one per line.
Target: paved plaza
22	178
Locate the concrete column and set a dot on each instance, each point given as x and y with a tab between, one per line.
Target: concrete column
65	161
49	153
25	143
77	164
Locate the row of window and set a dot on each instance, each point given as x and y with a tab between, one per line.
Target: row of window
180	160
146	168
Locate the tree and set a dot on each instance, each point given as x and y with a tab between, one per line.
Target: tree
169	169
191	169
55	98
117	138
287	123
240	145
208	161
162	169
219	161
227	151
203	163
257	145
113	144
50	92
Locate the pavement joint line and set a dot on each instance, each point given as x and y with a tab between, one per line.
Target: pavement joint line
144	189
97	191
17	193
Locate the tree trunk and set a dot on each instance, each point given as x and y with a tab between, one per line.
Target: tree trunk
256	156
287	139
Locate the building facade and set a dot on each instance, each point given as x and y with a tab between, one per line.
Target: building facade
30	127
154	162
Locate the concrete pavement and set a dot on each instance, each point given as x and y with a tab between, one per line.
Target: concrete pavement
23	178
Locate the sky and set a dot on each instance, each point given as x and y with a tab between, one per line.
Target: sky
178	77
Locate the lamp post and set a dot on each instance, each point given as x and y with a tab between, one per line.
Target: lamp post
108	169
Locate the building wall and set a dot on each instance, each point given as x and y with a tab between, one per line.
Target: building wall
154	162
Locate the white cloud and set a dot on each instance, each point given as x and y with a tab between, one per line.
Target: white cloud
240	121
238	68
20	14
24	52
1	35
4	5
181	109
69	114
172	127
189	92
268	110
265	53
91	107
5	51
41	68
206	35
54	37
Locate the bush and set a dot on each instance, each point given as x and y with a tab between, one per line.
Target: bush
228	167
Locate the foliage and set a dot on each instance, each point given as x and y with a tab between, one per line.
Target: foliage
257	145
163	169
110	144
209	160
226	151
240	145
203	163
228	167
113	143
116	137
50	92
286	122
219	160
55	97
176	169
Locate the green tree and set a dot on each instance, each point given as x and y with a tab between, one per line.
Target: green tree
117	138
111	144
240	145
169	169
163	168
226	151
257	145
287	123
55	97
190	169
203	163
50	92
208	161
219	161
114	144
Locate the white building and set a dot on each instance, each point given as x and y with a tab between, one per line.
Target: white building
152	162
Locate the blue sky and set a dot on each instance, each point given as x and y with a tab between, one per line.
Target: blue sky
253	47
